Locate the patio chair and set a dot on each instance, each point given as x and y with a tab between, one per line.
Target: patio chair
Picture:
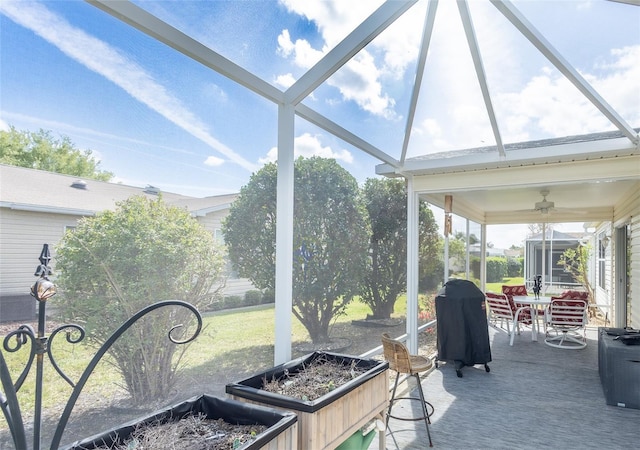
567	318
400	361
500	308
519	289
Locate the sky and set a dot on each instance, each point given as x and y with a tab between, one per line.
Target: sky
154	117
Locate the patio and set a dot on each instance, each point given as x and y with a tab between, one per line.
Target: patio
534	397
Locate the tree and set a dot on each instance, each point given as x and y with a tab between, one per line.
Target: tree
40	150
330	235
118	262
576	263
386	278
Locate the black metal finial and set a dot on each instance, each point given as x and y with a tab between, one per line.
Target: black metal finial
43	289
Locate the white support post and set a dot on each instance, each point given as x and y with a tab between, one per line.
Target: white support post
412	267
483	257
284	235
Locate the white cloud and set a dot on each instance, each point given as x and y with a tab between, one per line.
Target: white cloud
215	92
114	65
550	104
213	161
285	80
531	99
360	79
4	126
308	145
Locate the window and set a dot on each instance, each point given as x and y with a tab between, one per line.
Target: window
602	251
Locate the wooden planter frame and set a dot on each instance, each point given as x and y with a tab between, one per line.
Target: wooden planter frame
281	434
328	421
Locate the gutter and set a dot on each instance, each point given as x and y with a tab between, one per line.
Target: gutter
47	209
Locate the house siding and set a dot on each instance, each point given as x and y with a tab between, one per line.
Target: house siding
627	213
233	285
634	288
21	240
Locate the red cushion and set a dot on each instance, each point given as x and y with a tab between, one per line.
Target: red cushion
578	295
520	289
510	291
558	302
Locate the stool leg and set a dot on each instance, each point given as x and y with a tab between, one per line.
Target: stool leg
393	395
424	408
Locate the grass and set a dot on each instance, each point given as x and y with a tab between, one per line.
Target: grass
232	342
497	287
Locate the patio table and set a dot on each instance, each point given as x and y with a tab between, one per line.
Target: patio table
533	302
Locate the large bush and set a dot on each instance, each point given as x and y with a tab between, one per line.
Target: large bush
496	269
330	237
515	267
118	262
386	277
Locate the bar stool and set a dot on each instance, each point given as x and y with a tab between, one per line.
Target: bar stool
397	354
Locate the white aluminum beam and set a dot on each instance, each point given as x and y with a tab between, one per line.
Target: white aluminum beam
412	267
375	24
427	32
472	41
540	42
165	33
326	124
284	235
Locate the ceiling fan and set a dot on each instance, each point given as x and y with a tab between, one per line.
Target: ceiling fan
546	207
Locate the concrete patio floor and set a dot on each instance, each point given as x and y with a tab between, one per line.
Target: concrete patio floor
535	396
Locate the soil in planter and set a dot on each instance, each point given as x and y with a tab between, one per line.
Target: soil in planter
314	380
194	432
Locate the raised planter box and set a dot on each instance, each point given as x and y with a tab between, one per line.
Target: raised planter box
328	421
281	434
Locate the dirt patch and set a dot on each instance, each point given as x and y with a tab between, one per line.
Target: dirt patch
191	433
314	380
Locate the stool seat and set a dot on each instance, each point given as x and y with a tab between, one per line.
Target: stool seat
402	362
420	363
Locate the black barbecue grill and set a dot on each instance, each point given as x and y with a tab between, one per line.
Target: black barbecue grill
463	333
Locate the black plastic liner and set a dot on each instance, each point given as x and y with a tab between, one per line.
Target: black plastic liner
251	388
231	411
463	333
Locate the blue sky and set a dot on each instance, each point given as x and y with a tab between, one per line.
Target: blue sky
155	117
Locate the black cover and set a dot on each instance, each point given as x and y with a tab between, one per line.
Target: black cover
232	411
463	333
251	388
619	369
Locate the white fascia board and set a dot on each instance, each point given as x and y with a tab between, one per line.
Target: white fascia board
165	33
204	211
47	209
518	217
621	168
595	149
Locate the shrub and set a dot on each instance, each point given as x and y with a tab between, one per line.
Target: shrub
496	269
115	264
253	297
233	301
515	267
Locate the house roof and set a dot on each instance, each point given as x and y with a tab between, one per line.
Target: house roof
37	190
555	235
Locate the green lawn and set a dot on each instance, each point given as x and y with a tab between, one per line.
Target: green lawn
231	341
497	287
